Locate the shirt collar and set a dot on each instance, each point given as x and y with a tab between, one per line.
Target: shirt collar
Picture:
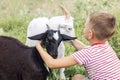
97	43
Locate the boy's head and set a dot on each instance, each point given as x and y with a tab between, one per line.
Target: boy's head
102	25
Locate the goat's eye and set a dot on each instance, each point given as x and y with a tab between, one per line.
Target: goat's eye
69	28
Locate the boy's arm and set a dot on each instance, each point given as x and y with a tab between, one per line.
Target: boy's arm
77	44
55	63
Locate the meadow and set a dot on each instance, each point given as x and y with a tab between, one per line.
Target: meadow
15	16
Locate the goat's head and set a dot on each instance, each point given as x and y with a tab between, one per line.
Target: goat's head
67	29
51	40
66	25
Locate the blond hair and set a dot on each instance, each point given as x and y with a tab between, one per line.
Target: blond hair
103	24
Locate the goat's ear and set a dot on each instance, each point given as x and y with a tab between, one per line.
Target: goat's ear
38	37
66	37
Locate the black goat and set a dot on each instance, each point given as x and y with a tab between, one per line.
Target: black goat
19	62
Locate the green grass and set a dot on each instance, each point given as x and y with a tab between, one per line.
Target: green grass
15	16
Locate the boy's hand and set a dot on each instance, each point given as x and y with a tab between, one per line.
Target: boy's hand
38	43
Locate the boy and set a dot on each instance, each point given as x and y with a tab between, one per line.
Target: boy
99	59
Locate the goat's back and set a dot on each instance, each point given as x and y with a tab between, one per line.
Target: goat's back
18	62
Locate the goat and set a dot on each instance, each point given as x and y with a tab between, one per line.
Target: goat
66	27
20	62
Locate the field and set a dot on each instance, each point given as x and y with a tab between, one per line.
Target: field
15	16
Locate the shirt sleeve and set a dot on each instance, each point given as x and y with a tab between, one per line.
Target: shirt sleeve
82	56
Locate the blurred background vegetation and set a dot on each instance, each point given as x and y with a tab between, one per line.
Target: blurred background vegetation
15	16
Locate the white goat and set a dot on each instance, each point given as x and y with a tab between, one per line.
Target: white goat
66	27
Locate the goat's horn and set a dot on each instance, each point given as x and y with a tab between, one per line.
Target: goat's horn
65	12
48	27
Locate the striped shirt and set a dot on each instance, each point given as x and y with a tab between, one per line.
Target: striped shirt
100	61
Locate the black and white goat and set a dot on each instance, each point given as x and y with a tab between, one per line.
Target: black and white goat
20	62
38	25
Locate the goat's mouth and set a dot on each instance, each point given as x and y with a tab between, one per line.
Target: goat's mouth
54	56
52	52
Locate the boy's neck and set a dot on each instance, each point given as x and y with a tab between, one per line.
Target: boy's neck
95	42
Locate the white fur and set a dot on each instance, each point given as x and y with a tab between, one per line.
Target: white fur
54	22
38	26
56	36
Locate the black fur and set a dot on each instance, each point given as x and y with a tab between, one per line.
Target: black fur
19	62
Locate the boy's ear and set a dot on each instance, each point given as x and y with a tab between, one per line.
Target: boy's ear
91	34
66	37
38	37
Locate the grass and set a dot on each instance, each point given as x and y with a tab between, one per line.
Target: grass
15	16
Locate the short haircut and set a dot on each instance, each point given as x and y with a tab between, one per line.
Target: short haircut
103	24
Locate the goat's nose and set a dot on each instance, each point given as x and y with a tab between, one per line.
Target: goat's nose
54	56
